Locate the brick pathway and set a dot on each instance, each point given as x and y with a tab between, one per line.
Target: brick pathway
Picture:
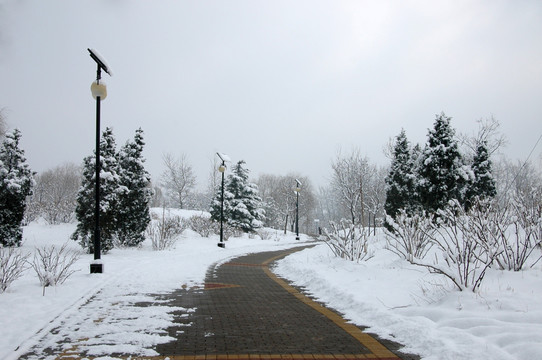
245	312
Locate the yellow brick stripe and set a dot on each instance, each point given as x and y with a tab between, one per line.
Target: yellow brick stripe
379	350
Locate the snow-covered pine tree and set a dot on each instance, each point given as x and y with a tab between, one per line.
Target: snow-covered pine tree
134	193
216	202
245	211
16	181
443	175
401	182
109	189
483	185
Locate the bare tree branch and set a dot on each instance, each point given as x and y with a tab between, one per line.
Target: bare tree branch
178	179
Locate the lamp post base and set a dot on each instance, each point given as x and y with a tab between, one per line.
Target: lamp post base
221	244
96	268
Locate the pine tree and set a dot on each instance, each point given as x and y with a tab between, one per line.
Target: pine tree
16	182
134	193
109	189
242	205
483	185
401	182
217	200
443	175
246	210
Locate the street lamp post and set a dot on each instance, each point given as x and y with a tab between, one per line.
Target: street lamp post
222	169
297	190
99	92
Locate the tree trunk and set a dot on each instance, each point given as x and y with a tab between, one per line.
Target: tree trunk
362	214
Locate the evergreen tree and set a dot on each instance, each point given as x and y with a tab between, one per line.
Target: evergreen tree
134	193
242	205
109	190
16	182
216	202
483	185
246	212
401	182
443	175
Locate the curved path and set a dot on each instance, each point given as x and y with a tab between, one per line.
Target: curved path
244	311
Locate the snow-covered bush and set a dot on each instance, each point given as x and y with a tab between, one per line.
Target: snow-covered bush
54	265
227	230
164	231
462	252
12	265
348	241
408	235
520	235
203	225
268	234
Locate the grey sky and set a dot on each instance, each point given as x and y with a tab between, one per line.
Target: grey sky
280	84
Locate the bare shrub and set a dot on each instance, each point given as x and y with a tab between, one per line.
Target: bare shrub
54	265
268	234
203	225
165	231
409	237
12	265
520	235
348	241
461	253
228	230
206	227
54	196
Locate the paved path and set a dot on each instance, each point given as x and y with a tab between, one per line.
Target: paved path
244	311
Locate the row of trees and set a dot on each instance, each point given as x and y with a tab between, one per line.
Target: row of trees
418	179
428	179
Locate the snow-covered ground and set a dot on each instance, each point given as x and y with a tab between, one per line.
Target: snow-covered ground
502	321
129	276
404	303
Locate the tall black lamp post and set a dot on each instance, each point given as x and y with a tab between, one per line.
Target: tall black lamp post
99	92
222	169
297	190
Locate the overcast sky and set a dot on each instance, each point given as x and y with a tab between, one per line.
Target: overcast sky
280	84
